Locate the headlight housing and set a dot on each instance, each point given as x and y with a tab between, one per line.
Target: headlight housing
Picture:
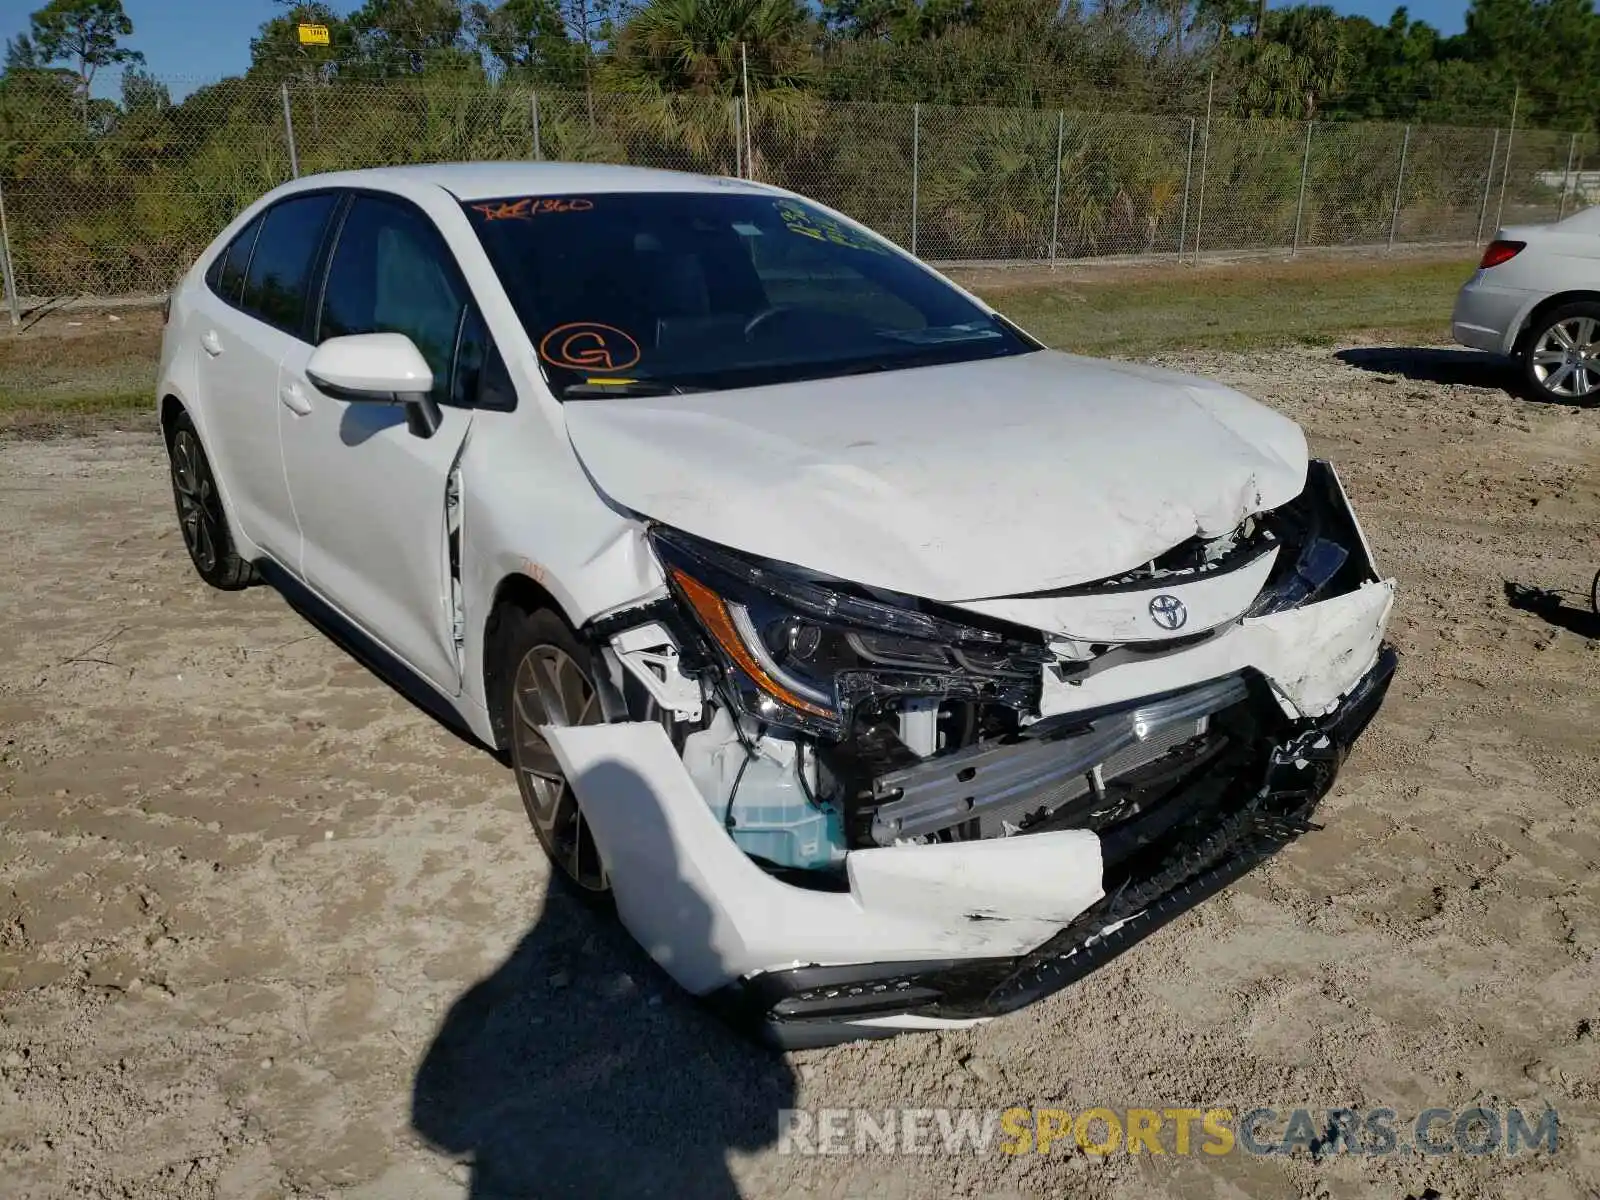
803	653
1325	553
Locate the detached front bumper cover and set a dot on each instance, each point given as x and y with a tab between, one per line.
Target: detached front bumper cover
1181	862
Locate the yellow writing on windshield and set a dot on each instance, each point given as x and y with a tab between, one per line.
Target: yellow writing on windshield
824	229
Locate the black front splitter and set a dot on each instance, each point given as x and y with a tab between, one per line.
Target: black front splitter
806	1007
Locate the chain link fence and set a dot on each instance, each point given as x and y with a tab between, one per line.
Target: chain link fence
112	200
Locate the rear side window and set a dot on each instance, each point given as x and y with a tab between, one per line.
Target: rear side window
227	273
276	283
392	273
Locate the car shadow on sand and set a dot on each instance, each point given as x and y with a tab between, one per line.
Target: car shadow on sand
1435	364
578	1069
385	667
1442	365
1552	606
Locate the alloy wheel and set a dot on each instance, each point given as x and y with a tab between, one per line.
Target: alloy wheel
550	688
199	506
1566	358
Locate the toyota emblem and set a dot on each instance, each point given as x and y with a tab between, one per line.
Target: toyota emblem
1168	612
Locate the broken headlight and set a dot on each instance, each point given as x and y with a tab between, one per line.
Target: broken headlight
802	652
1325	553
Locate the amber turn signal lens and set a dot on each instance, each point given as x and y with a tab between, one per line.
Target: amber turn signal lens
714	616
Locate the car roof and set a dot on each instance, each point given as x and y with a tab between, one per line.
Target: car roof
488	180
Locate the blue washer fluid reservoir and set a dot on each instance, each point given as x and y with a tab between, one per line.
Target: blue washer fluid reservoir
764	806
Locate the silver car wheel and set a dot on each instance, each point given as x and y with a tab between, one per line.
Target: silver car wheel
1566	358
550	688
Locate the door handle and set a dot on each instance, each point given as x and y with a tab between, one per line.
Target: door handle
294	399
211	343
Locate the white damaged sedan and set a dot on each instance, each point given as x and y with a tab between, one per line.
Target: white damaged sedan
884	669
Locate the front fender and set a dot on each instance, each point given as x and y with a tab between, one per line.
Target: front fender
555	532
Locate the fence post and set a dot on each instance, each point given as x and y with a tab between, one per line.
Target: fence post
1566	177
1300	205
738	141
1055	216
916	152
9	276
533	110
1505	170
288	130
1188	174
1399	182
749	117
1488	182
1205	154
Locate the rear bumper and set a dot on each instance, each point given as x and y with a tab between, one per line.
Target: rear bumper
1488	316
1166	867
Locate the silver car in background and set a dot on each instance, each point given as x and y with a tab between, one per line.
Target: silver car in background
1536	297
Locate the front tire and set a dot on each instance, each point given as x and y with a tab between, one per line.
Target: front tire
1561	361
201	517
551	681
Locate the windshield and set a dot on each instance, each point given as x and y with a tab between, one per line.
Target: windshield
652	292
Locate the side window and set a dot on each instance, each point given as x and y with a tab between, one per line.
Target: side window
479	377
280	269
392	273
226	276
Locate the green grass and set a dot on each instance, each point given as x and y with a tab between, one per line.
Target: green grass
86	404
1242	307
37	415
87	378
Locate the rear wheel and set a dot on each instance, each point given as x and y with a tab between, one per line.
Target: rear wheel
551	682
200	513
1594	594
1562	359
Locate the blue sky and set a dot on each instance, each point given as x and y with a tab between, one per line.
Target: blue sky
194	41
188	42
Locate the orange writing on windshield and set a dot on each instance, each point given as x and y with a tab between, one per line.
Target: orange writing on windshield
531	206
588	345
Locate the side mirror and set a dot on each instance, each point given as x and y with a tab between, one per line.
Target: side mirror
378	368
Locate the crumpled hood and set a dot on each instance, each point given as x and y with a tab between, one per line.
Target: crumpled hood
959	482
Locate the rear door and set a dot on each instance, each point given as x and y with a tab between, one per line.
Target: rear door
254	312
375	502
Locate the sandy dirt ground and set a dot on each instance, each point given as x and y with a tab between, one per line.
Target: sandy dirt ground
267	929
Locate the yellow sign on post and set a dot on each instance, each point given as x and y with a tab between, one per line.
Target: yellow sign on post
313	35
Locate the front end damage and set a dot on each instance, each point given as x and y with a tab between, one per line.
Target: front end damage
843	813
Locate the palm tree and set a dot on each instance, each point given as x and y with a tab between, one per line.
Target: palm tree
1299	66
695	46
990	182
676	57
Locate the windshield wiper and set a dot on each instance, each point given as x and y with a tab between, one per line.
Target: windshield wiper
590	390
